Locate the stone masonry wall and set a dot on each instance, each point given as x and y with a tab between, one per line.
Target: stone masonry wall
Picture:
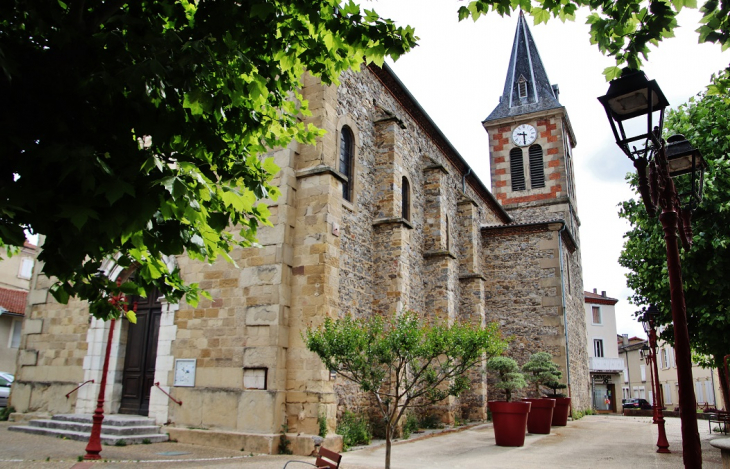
51	354
387	264
523	294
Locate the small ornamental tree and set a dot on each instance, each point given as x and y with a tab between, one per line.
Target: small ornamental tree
540	371
402	361
509	377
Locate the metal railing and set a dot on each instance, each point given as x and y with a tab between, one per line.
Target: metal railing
168	395
78	387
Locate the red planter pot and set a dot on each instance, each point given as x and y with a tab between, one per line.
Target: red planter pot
541	415
561	412
510	422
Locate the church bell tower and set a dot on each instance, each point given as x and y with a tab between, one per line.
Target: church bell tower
531	141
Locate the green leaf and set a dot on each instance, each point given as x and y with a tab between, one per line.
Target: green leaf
612	73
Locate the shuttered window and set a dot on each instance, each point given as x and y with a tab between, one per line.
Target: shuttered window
517	169
537	171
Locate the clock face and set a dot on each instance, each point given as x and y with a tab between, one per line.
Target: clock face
524	135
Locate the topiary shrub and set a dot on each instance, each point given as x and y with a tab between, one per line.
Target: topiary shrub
509	377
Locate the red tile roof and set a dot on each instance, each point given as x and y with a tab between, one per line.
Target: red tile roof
597	298
13	300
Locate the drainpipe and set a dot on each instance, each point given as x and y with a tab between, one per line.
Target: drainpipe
463	181
565	312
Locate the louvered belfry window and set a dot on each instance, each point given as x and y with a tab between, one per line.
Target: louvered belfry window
537	170
522	87
346	163
517	169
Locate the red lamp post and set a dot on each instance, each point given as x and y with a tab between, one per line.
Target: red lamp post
647	356
631	96
93	448
649	321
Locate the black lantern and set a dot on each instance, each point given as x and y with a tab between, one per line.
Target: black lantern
633	95
683	158
645	351
648	319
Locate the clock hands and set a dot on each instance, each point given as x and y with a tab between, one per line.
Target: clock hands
524	138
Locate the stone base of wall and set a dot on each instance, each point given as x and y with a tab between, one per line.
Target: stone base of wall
23	418
301	444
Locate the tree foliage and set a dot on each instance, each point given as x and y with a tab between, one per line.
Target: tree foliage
133	129
540	371
622	29
401	361
509	377
705	122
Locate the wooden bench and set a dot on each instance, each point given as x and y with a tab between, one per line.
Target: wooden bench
720	418
326	460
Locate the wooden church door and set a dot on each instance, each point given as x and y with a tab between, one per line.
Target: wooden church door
139	362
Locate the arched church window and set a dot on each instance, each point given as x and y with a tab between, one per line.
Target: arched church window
537	170
346	161
517	169
406	199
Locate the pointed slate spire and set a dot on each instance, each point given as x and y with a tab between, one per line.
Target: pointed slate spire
527	88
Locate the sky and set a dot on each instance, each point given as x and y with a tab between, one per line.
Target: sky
457	74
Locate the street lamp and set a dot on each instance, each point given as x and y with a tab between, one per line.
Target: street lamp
648	320
633	96
647	356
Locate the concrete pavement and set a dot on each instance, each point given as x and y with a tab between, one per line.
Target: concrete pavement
598	441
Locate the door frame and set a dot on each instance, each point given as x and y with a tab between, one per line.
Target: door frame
96	336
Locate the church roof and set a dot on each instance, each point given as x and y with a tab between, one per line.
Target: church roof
527	88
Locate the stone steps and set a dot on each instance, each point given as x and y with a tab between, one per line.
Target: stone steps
115	429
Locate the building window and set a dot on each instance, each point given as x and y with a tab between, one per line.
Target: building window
667	394
665	359
598	348
522	87
642	368
596	310
517	169
537	170
26	268
709	392
625	392
642	392
698	393
406	199
346	161
15	334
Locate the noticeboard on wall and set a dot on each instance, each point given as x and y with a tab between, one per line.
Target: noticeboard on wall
185	372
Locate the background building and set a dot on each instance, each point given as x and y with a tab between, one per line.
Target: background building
604	362
637	376
15	275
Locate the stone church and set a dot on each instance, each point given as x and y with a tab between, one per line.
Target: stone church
380	215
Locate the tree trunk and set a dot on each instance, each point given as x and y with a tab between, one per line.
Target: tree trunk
388	436
722	374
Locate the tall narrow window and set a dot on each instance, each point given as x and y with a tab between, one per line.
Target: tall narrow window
517	169
598	348
406	199
346	161
596	314
537	171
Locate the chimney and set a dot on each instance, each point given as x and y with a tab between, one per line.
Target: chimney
595	290
625	339
603	293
